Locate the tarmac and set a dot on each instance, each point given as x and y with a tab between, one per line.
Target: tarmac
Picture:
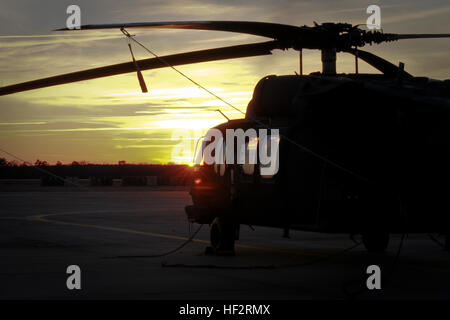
113	233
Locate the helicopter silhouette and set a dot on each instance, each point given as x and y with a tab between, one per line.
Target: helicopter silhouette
358	153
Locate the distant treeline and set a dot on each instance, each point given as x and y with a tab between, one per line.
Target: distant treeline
170	174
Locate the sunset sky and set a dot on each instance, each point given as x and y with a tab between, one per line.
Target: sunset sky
109	119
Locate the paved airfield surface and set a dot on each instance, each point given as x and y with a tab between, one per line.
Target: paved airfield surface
44	231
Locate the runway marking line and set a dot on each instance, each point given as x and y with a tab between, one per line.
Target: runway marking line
42	218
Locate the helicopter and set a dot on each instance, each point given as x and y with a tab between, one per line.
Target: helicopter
358	153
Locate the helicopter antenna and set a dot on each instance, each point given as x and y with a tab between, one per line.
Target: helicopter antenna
301	61
223	114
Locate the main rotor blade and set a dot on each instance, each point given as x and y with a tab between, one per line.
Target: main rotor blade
239	51
317	37
422	36
264	29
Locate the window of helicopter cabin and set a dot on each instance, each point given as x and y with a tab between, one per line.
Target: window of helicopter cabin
220	164
211	152
251	149
268	168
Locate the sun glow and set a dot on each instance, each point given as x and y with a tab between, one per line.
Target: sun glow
187	123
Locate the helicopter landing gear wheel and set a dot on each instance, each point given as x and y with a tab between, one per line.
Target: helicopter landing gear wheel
223	236
375	242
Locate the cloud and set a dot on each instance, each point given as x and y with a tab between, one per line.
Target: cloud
415	15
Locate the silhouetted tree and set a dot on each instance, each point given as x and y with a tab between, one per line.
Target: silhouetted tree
13	163
40	163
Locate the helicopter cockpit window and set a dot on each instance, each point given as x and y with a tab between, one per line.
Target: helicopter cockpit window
198	152
251	149
269	156
210	152
219	164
